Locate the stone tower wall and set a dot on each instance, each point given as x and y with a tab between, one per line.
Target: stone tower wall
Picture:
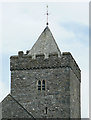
25	73
75	109
55	97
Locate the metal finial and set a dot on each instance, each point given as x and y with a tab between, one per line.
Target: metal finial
47	15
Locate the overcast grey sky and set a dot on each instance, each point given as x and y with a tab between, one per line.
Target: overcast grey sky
22	23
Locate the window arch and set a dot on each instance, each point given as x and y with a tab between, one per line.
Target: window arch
43	85
39	85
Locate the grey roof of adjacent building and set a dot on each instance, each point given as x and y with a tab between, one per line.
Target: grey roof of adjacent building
45	44
10	108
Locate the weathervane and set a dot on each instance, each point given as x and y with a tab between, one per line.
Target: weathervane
47	15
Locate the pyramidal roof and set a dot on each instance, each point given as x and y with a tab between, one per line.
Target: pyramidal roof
45	44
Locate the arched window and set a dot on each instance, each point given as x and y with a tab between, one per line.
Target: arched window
39	85
43	85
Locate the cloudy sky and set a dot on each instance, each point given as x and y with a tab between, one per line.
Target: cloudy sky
22	23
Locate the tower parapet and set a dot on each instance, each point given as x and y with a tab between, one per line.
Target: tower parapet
26	62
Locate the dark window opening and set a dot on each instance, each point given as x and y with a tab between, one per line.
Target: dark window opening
39	85
46	110
43	85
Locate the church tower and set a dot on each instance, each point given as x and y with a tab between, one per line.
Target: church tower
45	81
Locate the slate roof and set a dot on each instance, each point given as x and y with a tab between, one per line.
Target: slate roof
13	109
45	44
